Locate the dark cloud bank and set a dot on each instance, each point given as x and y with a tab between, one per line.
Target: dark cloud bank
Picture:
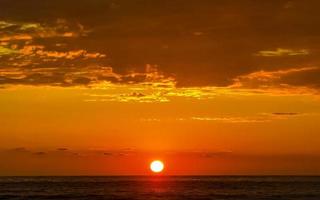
200	43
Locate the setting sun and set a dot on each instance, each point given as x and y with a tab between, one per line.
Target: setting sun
156	166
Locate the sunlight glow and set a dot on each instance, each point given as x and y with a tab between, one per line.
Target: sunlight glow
156	166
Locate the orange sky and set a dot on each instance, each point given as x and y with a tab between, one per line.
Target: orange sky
102	88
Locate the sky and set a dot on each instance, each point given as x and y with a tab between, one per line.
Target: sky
103	87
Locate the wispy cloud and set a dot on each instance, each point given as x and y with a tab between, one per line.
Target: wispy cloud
149	86
257	118
233	119
15	31
254	118
286	113
40	52
132	97
62	149
267	76
124	152
283	52
40	153
19	150
278	81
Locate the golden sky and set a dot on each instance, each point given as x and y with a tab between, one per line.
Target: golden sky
210	87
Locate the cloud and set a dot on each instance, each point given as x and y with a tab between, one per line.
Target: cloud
121	152
62	149
28	57
232	119
147	92
33	54
74	44
19	150
113	153
267	76
257	118
150	120
216	154
132	97
6	51
40	153
283	52
38	50
292	80
200	153
116	154
190	153
17	31
285	113
4	24
146	87
6	38
254	118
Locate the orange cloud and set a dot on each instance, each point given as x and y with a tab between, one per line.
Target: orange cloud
38	50
29	31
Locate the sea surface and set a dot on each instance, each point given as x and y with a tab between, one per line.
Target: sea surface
161	187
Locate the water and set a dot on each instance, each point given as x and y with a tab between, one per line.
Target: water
166	187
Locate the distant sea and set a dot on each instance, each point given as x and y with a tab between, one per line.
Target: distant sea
161	187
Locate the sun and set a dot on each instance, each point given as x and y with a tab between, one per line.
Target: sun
156	166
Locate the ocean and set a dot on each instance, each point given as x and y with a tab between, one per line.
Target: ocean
162	187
